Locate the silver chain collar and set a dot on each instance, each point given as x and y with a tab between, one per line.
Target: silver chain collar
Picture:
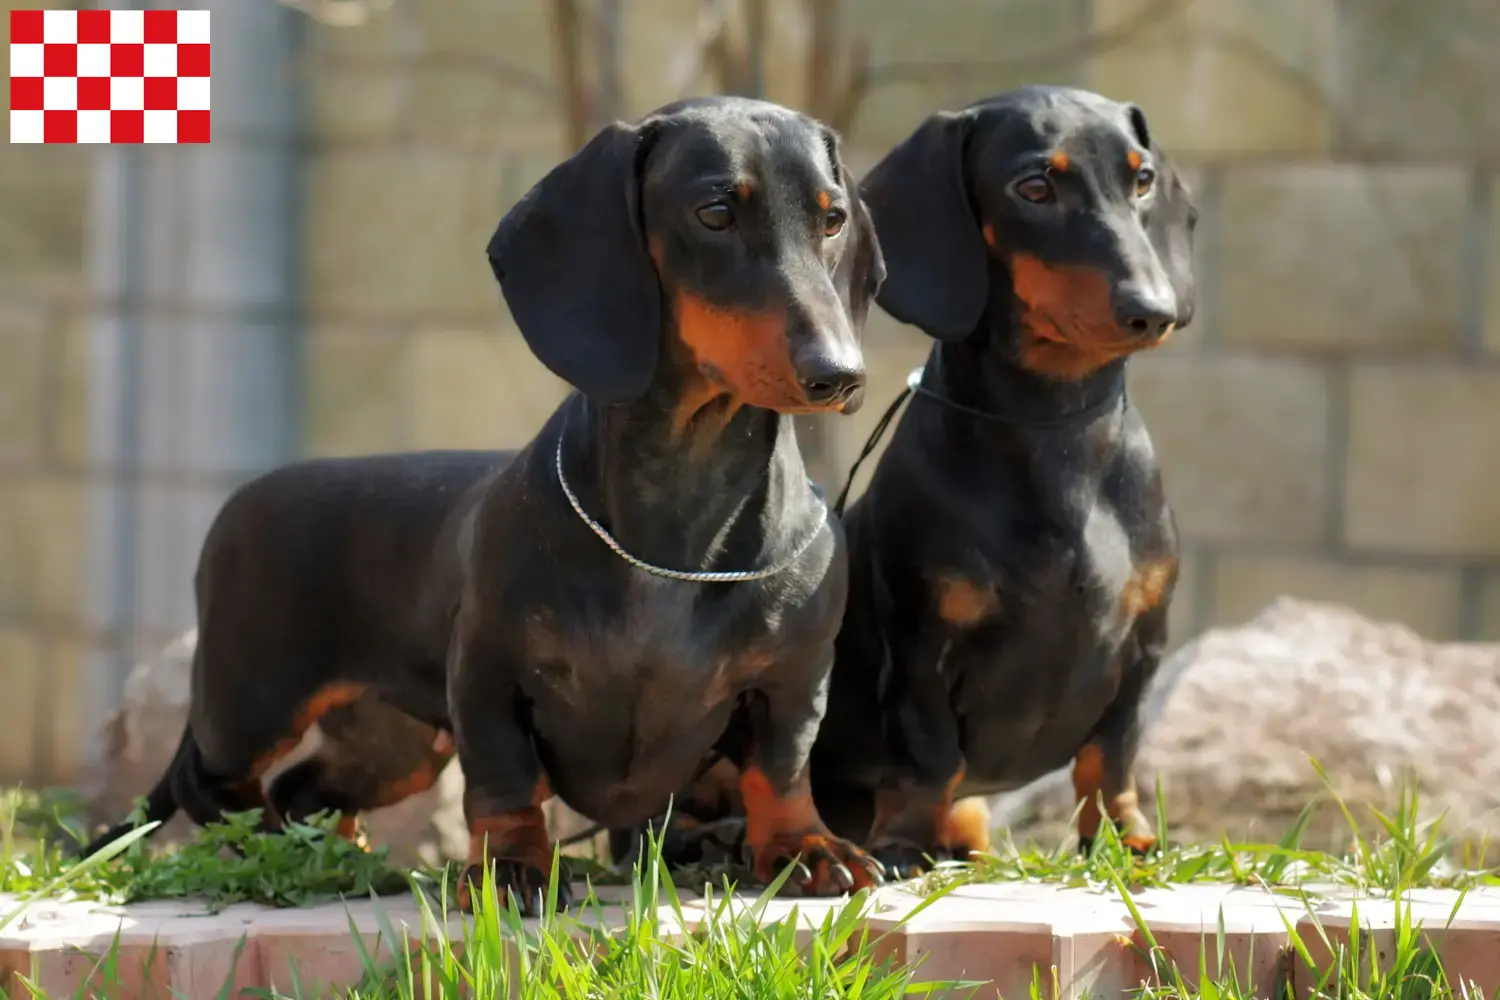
737	576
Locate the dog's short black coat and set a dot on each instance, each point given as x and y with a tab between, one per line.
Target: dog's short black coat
700	276
1012	560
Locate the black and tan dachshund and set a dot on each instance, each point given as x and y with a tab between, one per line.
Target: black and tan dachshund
587	616
1012	560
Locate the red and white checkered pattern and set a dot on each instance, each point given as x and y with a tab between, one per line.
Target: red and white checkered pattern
109	75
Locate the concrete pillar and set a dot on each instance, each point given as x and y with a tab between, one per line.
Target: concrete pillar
195	367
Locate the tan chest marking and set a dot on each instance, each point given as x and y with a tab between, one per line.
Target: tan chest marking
963	604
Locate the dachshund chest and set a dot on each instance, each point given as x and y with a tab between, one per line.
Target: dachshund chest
1096	578
1033	663
1040	639
667	646
639	655
628	704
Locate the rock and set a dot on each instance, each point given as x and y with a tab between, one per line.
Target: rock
1235	715
137	740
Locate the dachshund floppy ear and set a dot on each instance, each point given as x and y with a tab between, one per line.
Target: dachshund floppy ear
918	197
861	273
861	267
572	262
1170	221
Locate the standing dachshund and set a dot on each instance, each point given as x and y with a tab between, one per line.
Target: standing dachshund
1012	560
324	574
655	562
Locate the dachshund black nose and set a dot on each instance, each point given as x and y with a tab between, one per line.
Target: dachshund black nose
826	382
1147	315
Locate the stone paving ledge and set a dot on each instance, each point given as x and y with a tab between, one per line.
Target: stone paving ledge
997	932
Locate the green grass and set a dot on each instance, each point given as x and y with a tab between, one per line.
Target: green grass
734	955
227	862
1384	855
734	952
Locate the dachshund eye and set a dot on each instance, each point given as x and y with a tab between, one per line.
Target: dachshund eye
833	222
717	217
1037	188
1144	178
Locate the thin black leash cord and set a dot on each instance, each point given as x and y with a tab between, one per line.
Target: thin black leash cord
871	442
914	386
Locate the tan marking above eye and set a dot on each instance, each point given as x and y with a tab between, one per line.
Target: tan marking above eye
824	200
1134	159
1059	161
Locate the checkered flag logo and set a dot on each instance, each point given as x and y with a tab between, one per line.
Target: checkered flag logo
109	76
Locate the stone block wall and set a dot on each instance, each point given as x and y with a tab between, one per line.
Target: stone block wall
1330	424
43	450
417	149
